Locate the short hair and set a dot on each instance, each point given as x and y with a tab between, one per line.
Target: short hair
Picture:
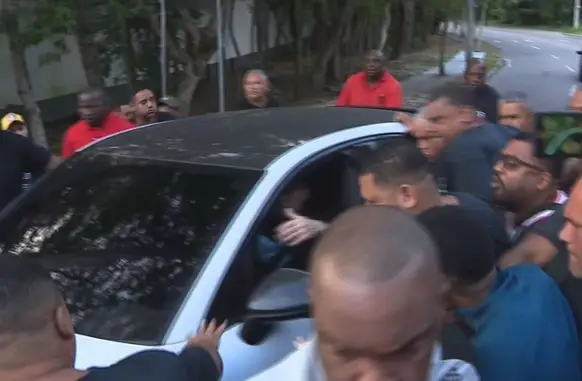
373	243
395	162
258	72
28	296
551	165
456	93
473	61
98	92
466	250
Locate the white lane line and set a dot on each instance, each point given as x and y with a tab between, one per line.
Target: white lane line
554	57
535	47
528	40
507	62
514	41
569	68
497	41
564	41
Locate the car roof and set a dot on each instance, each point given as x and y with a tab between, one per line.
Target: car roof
245	139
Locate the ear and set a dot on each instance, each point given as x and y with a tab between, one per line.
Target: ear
545	181
64	322
407	197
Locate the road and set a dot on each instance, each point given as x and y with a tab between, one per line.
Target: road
542	64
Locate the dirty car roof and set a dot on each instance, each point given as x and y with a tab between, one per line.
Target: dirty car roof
249	139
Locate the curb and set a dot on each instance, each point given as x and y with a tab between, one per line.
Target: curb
572	35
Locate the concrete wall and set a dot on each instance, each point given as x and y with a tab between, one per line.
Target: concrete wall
58	79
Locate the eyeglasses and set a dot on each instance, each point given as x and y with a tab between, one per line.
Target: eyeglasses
513	163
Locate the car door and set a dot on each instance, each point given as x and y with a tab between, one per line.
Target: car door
242	360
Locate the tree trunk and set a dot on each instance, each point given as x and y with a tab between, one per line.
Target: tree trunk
25	94
408	27
90	60
442	49
385	27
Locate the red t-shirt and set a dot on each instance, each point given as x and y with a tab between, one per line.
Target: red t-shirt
358	92
80	134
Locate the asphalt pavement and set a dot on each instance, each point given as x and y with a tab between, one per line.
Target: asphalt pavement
544	65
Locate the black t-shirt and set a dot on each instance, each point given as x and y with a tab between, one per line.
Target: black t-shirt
488	217
487	101
244	104
193	364
18	155
162	116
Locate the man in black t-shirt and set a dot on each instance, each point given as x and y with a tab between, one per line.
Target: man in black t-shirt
257	91
19	155
34	320
146	109
528	187
486	97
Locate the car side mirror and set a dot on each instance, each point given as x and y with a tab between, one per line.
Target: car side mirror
281	296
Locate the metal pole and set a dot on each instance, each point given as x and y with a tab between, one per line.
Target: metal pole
576	15
470	28
482	23
220	56
163	53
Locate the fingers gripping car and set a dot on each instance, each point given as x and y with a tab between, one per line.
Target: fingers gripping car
151	231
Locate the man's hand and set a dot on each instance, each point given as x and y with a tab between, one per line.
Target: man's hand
208	338
298	229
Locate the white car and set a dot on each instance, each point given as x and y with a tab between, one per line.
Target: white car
153	230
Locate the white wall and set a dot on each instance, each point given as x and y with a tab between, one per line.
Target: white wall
67	76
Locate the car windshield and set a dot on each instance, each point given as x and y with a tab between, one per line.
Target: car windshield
125	242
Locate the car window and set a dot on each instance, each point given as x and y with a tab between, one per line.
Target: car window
126	243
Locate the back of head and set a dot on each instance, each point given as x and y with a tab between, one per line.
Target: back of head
395	162
455	93
373	244
466	251
28	299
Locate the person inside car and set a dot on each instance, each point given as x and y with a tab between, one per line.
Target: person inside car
520	324
39	340
464	160
97	122
377	304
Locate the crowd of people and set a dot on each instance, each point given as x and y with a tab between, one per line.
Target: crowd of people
464	232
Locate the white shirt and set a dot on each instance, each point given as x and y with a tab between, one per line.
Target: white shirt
302	365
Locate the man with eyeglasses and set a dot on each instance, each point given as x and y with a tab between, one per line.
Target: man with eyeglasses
486	97
527	186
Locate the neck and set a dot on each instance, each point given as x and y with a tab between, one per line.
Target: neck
44	371
528	208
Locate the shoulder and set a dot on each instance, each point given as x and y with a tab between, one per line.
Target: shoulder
390	79
454	370
119	122
75	129
355	78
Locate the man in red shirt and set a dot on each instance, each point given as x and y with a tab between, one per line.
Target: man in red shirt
372	87
97	122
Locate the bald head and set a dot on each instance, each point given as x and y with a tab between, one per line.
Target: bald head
376	292
372	244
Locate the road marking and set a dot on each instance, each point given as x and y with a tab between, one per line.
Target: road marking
514	41
507	62
555	57
497	41
564	41
569	68
572	90
528	40
535	47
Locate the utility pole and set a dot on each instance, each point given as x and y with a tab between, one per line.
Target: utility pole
220	55
163	48
471	29
576	17
482	23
